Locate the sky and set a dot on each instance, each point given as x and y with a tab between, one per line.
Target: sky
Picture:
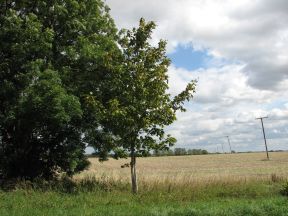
237	50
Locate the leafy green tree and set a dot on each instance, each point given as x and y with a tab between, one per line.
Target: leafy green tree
197	152
165	152
180	151
53	56
204	152
142	106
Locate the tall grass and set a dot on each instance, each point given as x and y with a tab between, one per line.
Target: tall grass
184	189
92	196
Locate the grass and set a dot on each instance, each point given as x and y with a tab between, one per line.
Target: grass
240	184
121	203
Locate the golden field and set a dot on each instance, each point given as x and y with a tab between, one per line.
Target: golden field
195	168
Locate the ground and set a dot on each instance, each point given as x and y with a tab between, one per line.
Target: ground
196	167
214	185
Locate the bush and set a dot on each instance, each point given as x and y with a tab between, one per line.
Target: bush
284	190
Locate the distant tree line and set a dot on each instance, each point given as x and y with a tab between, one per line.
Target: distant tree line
158	153
180	151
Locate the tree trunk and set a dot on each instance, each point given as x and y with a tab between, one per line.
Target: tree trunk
133	172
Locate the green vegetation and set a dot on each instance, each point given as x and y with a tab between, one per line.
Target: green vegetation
179	151
90	197
167	193
69	79
53	56
142	107
114	204
284	190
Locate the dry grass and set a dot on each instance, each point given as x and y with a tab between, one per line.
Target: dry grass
198	169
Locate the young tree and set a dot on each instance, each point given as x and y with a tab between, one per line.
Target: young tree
142	107
53	55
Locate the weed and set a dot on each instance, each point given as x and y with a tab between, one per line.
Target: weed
284	190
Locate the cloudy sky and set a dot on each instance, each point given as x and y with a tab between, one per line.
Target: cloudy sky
237	50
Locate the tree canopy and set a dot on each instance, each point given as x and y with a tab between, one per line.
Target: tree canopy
53	54
69	79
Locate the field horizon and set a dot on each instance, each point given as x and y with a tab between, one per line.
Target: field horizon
194	168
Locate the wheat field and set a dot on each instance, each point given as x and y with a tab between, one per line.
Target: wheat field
195	168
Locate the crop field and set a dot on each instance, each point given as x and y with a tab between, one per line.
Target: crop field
195	168
214	185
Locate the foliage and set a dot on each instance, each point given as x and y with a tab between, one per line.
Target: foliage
142	107
168	152
197	152
180	151
238	200
53	55
284	190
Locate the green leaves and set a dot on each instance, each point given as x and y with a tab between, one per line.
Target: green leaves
141	106
46	101
52	55
186	95
68	80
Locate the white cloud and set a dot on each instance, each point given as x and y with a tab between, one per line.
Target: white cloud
254	32
253	37
225	104
226	85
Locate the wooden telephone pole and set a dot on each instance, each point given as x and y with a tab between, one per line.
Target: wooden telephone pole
261	118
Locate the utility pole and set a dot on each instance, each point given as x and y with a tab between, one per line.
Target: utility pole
229	143
222	148
261	118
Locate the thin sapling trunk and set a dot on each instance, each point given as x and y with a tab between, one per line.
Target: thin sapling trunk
133	172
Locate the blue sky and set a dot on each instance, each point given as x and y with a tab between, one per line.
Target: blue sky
189	58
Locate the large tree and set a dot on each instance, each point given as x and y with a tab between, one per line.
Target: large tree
53	55
142	106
